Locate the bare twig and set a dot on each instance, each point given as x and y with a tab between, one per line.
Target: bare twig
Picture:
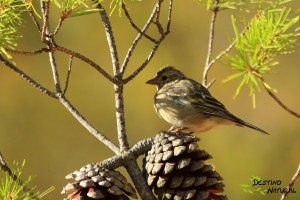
153	51
282	105
45	7
145	63
156	21
13	176
27	78
141	186
138	149
59	25
46	31
66	103
169	17
226	50
27	53
210	42
110	39
61	20
292	183
68	75
88	126
88	61
142	32
137	39
123	141
35	21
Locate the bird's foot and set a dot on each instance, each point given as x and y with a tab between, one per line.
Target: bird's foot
176	130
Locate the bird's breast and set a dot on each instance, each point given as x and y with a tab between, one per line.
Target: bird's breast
180	113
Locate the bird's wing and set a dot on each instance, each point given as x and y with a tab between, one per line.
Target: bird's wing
190	92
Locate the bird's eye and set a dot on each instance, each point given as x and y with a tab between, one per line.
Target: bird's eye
164	78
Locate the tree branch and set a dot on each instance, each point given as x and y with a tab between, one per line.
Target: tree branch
153	51
49	41
35	21
86	60
27	78
138	180
292	183
45	9
141	32
281	104
14	177
169	17
138	37
110	39
68	75
210	42
145	63
27	53
138	149
88	126
121	127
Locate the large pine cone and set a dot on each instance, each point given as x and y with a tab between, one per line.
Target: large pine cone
94	182
175	168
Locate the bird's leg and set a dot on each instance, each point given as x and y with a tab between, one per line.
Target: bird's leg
176	130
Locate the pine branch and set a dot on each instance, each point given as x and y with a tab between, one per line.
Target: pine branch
121	127
34	19
49	41
280	103
88	126
68	75
137	150
27	78
142	32
27	53
292	183
210	43
14	177
45	9
86	60
155	48
138	37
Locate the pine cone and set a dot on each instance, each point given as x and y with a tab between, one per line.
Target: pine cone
94	182
175	168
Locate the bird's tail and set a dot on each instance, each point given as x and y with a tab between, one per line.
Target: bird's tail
243	123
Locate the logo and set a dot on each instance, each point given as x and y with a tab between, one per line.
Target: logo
265	187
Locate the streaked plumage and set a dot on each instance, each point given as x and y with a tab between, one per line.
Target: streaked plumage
184	103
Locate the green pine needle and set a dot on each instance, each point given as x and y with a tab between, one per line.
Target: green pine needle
10	21
272	32
14	189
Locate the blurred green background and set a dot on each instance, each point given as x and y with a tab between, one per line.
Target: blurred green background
39	129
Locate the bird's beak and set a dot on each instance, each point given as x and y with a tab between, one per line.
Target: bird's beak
152	81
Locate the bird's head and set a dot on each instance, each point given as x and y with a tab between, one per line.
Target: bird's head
166	75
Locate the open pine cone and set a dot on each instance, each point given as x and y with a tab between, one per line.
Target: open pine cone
175	168
94	182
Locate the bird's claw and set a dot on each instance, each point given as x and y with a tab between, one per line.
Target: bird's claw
176	130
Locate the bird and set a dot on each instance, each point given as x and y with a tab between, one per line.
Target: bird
186	104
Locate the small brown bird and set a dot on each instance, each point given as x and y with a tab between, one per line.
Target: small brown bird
185	103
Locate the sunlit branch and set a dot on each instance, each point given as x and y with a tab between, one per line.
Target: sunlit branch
27	78
86	60
14	177
88	126
142	32
27	53
45	6
68	75
137	39
292	183
154	49
210	43
281	104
